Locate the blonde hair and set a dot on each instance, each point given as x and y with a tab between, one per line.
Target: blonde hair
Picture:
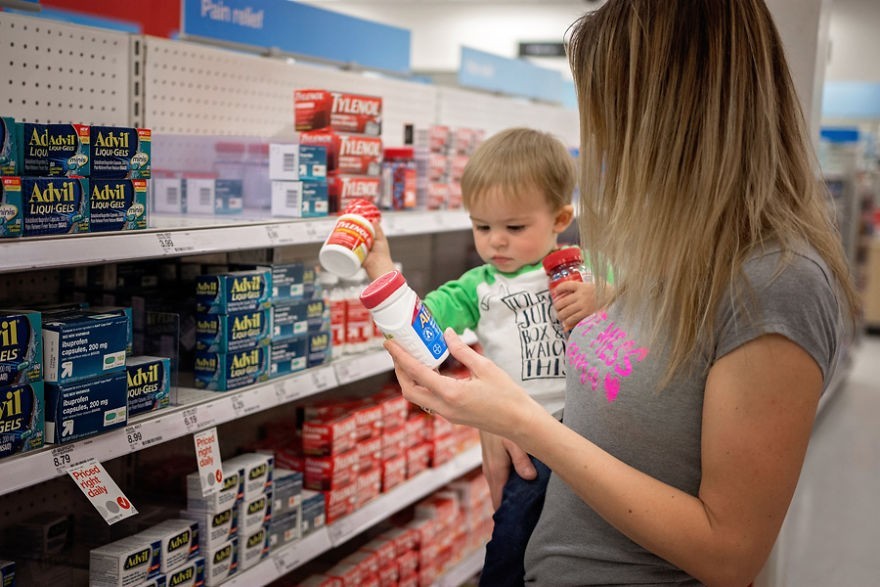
516	160
693	154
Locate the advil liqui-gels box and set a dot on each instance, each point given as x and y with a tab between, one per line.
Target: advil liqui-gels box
257	470
238	291
85	408
120	152
54	205
149	384
52	150
124	563
10	148
190	575
117	204
21	347
7	573
179	542
223	333
253	547
82	345
226	371
11	205
21	418
215	528
221	563
354	113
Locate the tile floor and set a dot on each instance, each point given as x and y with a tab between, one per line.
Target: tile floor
831	536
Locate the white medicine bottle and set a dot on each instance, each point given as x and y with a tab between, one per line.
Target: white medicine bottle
400	315
351	239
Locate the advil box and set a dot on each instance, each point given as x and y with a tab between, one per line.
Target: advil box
21	419
120	152
238	291
354	113
11	205
51	150
21	347
54	205
354	154
9	147
117	204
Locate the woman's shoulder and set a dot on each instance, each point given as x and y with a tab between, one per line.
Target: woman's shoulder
778	269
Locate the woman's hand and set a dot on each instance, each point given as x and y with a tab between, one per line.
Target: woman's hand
574	301
488	399
498	455
378	261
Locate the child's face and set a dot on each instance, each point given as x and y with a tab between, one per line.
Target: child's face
510	233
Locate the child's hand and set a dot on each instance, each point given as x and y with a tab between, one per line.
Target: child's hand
378	261
499	455
574	301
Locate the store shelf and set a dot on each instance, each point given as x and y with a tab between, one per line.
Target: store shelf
464	570
199	410
190	235
290	557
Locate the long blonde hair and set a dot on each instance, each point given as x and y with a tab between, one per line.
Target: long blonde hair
693	154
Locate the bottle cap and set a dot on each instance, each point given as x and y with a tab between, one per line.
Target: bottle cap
378	291
364	208
562	257
399	153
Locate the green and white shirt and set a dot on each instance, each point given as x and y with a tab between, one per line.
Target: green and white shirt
515	322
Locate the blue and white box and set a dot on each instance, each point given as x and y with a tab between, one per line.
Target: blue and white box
80	409
221	563
296	318
291	162
7	573
258	469
149	384
168	195
11	207
287	492
227	371
10	148
228	198
130	561
53	150
320	348
253	547
21	347
215	528
224	333
192	574
21	418
121	152
117	204
254	513
237	291
289	356
179	542
81	345
54	205
299	199
230	494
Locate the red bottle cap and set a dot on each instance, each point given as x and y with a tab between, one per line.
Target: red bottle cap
562	257
378	291
364	208
399	153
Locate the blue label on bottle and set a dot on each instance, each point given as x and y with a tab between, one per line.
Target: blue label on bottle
428	330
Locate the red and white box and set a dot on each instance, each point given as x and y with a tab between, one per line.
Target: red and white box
352	154
342	189
328	436
394	472
404	540
394	407
344	112
384	550
348	573
332	472
411	580
408	563
369	418
415	431
369	453
339	502
436	426
428	575
418	459
322	581
393	442
389	575
369	486
442	450
438	196
454	197
367	561
438	167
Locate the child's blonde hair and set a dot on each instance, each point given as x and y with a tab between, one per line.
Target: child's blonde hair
519	159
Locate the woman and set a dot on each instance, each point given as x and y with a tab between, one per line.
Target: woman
691	396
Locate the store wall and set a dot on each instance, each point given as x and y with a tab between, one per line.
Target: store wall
855	41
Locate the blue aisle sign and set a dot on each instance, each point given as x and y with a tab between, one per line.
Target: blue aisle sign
299	29
518	77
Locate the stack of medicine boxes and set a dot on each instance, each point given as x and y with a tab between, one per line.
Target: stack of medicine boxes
165	554
72	178
21	382
299	180
235	519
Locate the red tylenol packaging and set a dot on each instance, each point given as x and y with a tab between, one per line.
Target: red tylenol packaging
565	265
352	113
350	241
352	154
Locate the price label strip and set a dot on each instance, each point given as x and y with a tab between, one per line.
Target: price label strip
100	489
191	419
245	404
63	458
138	438
208	457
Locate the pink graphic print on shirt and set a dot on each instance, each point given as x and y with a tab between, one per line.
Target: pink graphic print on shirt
611	350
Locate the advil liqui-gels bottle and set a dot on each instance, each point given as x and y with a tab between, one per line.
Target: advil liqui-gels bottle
401	315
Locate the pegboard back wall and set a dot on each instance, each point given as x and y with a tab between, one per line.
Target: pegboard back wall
56	72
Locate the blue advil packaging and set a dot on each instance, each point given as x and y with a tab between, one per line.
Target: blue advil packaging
21	347
149	384
293	319
226	371
80	409
117	204
21	418
11	205
85	344
10	147
121	152
223	333
54	205
237	291
53	150
7	573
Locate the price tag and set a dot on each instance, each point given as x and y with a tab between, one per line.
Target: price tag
280	392
208	457
62	458
323	379
166	243
286	561
191	419
272	233
244	404
339	531
314	232
135	437
103	493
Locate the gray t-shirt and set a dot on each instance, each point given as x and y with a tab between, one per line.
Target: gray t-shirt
611	399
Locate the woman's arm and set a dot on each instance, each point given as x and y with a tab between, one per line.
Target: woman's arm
758	411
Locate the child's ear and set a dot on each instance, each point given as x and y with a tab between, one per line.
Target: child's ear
563	218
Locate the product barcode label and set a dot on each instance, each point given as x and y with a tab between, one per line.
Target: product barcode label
289	162
205	196
291	198
173	195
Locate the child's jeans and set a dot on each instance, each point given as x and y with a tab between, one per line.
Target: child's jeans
515	518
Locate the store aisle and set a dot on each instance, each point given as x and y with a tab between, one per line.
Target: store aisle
832	533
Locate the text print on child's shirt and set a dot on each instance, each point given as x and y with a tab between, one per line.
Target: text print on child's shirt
611	349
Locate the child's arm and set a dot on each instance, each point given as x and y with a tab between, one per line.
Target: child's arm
574	301
499	456
378	261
